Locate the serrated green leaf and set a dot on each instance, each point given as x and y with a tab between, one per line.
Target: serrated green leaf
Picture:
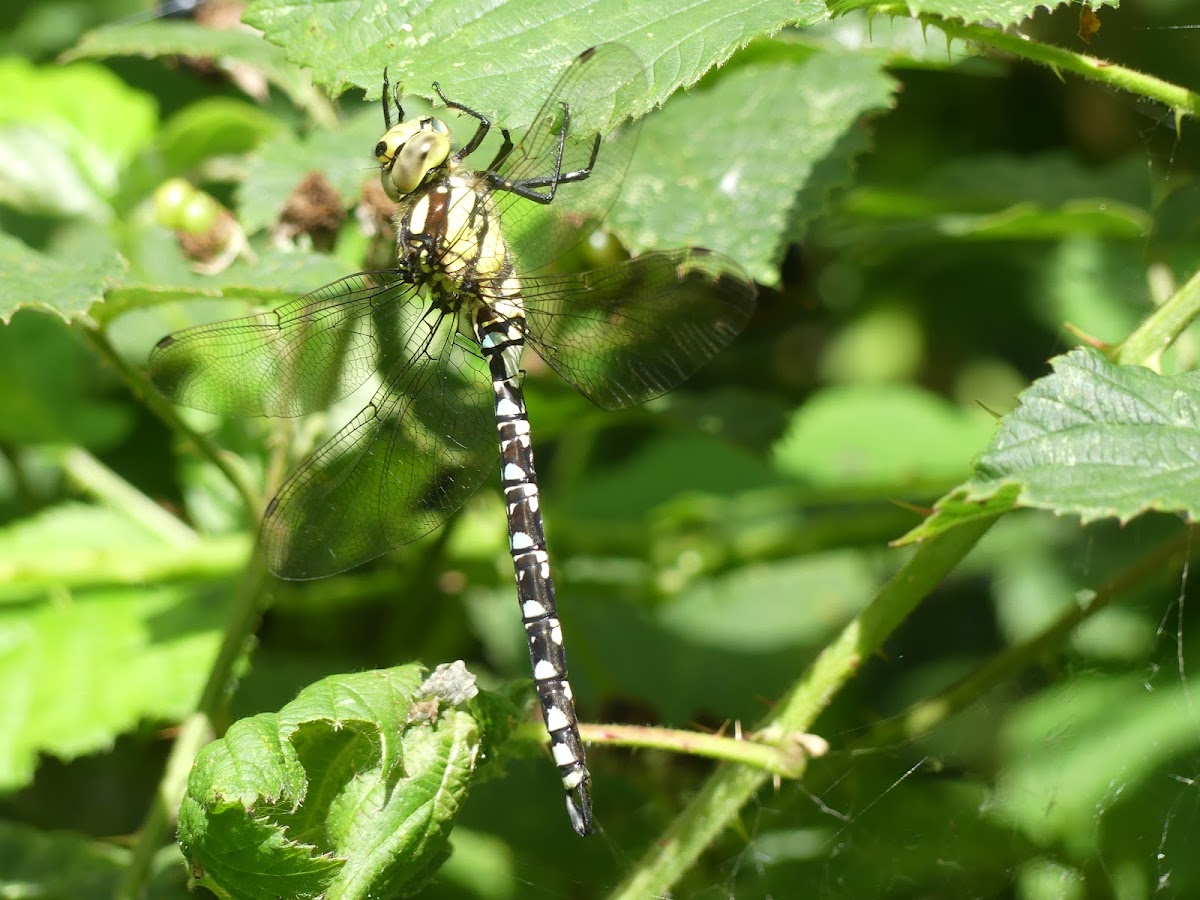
33	280
995	12
880	437
954	510
502	56
1092	439
269	279
734	189
349	792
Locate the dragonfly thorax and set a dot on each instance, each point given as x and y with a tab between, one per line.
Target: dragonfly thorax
409	152
448	230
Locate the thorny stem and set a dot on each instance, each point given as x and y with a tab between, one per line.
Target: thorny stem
731	786
784	755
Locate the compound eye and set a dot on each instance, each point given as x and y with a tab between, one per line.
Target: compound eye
417	158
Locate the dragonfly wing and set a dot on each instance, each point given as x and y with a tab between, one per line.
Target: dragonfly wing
408	460
603	87
294	360
626	333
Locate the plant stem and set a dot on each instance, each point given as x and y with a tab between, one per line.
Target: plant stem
1181	100
731	786
786	756
927	714
240	623
1162	327
106	485
165	410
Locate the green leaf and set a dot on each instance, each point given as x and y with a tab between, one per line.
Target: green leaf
227	47
350	791
343	156
57	864
51	388
1092	439
659	473
843	439
998	198
212	127
79	668
733	190
89	125
502	56
269	279
1091	753
994	12
1099	287
33	280
753	610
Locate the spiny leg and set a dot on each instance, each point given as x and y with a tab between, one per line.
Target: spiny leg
485	124
526	187
383	98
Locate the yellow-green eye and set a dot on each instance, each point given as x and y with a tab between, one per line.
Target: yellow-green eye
409	152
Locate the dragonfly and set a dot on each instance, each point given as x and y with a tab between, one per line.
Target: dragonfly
440	337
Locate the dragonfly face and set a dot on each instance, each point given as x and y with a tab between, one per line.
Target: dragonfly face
409	152
470	242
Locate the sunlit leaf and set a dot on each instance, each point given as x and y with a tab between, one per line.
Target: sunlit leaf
1092	439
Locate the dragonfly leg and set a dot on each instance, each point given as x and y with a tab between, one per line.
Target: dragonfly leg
527	187
485	124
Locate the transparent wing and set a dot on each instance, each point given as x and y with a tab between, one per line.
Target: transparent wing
624	334
293	360
409	459
602	87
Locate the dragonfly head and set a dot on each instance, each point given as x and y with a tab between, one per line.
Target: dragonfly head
409	152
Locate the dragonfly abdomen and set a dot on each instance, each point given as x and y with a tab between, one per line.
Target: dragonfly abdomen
501	337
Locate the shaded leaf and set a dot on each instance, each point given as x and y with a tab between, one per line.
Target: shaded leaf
51	388
735	191
33	280
843	439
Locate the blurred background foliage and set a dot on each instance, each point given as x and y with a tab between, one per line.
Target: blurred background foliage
924	223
